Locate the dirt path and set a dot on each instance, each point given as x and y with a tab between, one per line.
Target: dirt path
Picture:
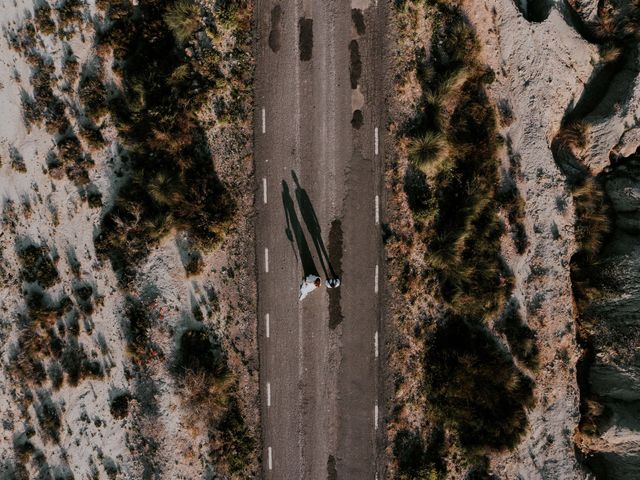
318	176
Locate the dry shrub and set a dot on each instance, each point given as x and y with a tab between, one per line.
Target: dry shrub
36	265
205	397
174	186
592	216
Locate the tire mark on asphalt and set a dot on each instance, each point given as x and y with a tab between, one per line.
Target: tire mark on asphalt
306	38
335	252
358	21
274	34
355	69
357	120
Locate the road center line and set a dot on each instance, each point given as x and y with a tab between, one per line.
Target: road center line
268	394
376	280
375	135
375	342
375	416
264	189
377	209
270	459
266	260
264	121
266	319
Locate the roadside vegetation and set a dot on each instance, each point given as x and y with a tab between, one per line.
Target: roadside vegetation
167	57
475	395
173	184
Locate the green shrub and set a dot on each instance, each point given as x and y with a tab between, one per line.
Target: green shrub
200	351
119	405
42	18
76	364
183	19
92	92
137	325
174	185
37	265
48	416
592	216
473	386
238	444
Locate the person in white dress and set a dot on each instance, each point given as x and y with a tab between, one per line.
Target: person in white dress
309	284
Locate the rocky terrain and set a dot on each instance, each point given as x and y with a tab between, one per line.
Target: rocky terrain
563	89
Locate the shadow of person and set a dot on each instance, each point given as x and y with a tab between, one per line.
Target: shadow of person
294	232
313	225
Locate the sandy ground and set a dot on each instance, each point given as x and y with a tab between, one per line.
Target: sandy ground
92	443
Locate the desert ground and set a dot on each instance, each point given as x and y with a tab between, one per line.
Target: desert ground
172	171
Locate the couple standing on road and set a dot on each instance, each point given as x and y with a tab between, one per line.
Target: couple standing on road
294	232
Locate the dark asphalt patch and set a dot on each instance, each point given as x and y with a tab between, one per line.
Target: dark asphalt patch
274	34
357	119
306	38
332	473
335	253
355	69
358	20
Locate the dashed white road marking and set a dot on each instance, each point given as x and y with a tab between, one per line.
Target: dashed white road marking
375	416
270	459
264	121
264	189
375	142
375	342
376	280
266	319
266	260
377	209
268	394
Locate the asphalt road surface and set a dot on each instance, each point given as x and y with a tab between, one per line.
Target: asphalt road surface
318	158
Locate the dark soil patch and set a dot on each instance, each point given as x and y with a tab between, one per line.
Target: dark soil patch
335	253
332	473
355	68
306	38
358	20
357	119
274	35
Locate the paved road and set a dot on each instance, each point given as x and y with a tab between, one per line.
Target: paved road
319	171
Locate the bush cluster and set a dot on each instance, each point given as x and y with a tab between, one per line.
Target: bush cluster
451	183
473	385
174	185
37	265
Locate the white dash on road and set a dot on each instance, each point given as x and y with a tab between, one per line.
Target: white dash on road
264	189
264	121
268	394
376	280
377	209
266	260
266	319
269	458
375	416
375	343
375	142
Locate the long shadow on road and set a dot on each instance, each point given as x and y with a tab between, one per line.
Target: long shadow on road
294	232
313	226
